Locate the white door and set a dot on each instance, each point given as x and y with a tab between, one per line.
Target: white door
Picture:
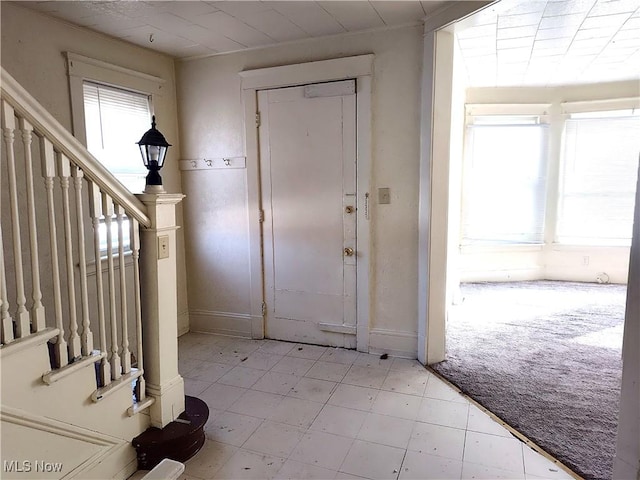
307	140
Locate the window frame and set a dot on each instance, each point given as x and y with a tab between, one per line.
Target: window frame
587	111
110	89
555	113
539	114
83	69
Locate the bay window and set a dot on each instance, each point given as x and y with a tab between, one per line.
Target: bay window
504	180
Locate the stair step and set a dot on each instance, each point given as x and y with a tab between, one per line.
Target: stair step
21	344
140	406
165	470
116	385
58	374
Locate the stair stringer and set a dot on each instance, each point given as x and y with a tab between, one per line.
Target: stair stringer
34	446
68	400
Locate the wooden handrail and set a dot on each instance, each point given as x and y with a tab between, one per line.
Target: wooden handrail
45	124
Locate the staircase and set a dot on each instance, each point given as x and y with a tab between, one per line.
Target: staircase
74	392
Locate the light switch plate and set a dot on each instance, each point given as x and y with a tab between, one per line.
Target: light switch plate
384	196
163	246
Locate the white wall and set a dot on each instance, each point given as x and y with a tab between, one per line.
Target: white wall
550	261
627	461
211	120
458	98
33	47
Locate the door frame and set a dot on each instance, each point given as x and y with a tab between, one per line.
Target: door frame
433	216
359	68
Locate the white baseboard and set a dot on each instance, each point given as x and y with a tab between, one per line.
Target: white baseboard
578	274
79	452
119	464
183	322
394	342
224	323
506	275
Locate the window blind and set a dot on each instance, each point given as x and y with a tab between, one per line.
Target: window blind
504	182
115	119
598	179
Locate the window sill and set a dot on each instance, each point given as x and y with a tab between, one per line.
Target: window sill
91	266
563	247
501	247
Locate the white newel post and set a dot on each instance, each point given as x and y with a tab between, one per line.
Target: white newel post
158	283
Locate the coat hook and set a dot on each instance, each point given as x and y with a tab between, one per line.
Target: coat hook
227	161
151	39
208	162
194	163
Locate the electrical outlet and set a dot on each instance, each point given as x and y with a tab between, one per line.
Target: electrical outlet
384	196
163	246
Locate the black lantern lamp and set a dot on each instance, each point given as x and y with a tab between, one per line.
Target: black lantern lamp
153	147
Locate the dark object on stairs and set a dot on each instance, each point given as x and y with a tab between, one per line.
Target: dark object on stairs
179	440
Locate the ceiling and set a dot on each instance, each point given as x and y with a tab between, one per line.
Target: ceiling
546	43
511	43
195	28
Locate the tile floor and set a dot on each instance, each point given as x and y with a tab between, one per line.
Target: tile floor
285	411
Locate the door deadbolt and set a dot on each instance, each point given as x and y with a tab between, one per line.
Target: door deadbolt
348	252
349	209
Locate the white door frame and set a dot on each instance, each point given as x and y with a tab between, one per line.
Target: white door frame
361	68
433	219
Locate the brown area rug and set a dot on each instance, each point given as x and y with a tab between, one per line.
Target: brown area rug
546	358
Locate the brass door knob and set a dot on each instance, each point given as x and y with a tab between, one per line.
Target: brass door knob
348	252
349	209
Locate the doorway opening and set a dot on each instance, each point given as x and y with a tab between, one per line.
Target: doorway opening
513	69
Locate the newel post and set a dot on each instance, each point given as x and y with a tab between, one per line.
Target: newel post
159	300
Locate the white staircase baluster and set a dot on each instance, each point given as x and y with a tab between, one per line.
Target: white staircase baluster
49	172
37	310
64	174
114	358
95	210
23	327
125	352
6	327
134	240
7	322
87	336
113	211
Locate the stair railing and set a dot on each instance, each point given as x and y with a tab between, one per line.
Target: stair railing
52	240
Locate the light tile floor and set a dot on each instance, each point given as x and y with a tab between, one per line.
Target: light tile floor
290	411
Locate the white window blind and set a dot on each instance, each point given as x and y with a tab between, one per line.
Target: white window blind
598	179
504	181
115	119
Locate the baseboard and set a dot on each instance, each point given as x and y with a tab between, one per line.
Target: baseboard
129	469
77	451
393	342
119	463
507	275
223	323
183	322
585	274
